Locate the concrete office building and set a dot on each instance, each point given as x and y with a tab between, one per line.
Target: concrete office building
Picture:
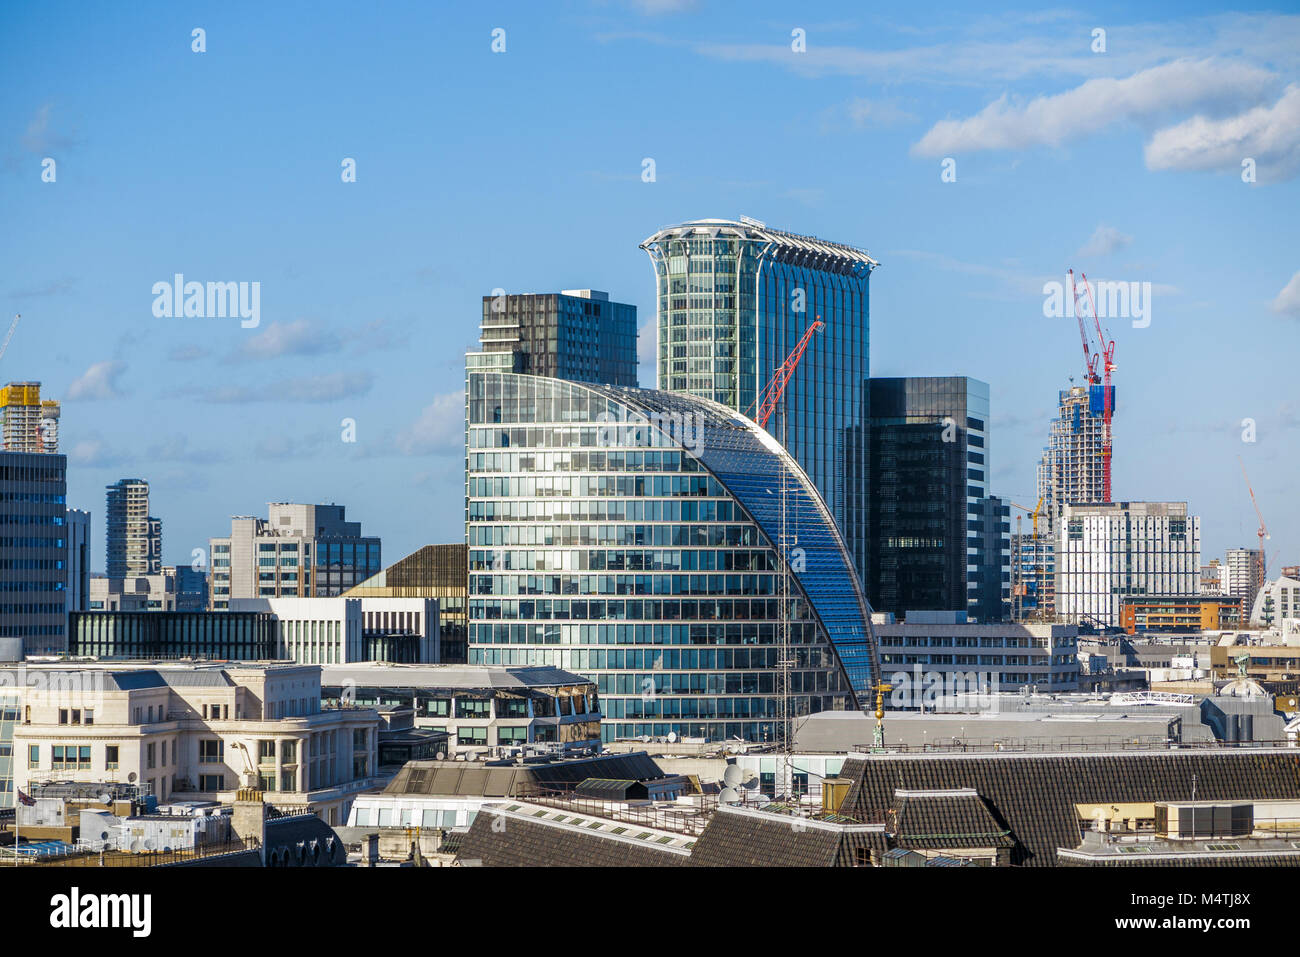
939	541
733	299
1107	551
1212	578
199	732
305	551
340	629
133	537
78	538
34	550
171	589
633	536
577	334
434	571
28	423
1277	601
933	654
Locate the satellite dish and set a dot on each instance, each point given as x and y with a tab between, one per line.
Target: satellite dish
732	776
105	798
729	796
672	736
441	755
103	835
131	777
645	739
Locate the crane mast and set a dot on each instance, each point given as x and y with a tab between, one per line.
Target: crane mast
1099	363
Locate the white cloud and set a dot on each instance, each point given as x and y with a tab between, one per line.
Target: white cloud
1211	84
100	381
1105	240
1270	135
1288	300
440	427
316	388
301	337
92	453
863	112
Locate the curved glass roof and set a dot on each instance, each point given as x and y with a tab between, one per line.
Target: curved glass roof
749	462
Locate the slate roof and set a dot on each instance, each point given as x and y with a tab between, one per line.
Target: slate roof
945	820
484	779
520	841
742	837
1034	795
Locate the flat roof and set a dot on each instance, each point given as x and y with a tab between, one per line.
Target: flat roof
468	677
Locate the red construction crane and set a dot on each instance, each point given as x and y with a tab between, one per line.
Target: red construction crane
1102	353
1262	532
772	394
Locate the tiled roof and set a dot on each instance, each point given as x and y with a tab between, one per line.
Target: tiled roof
1034	795
741	837
529	836
942	820
473	778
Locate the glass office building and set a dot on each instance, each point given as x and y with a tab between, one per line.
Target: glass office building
939	540
226	635
734	298
34	550
633	536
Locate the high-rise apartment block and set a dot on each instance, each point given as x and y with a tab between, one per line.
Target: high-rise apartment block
133	537
939	541
577	334
1107	551
34	550
298	550
28	423
733	299
1243	575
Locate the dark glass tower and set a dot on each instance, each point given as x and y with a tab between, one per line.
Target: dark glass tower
577	334
734	298
937	536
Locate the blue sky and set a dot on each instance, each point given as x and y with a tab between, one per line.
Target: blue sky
522	170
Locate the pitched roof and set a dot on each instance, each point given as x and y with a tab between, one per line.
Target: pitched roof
744	837
500	837
1034	795
940	820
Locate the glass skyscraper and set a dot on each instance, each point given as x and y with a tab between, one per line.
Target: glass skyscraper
734	298
636	537
937	535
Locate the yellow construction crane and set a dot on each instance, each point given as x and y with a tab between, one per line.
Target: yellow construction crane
1018	589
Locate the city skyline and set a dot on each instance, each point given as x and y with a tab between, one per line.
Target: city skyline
371	290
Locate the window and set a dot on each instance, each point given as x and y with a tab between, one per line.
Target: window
212	782
211	751
70	758
89	715
473	708
266	752
63	716
360	740
471	735
110	757
287	782
288	752
150	756
517	735
34	755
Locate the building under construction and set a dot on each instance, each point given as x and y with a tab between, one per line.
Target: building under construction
28	423
1072	472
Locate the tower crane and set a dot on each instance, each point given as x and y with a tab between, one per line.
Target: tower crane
1262	532
1020	590
1099	363
10	334
771	395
